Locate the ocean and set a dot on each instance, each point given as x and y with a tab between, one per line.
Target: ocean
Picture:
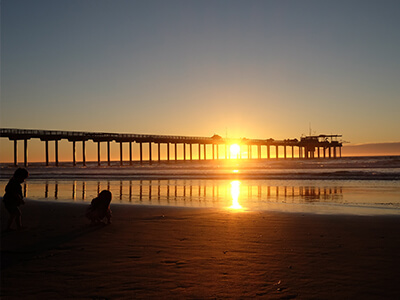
349	185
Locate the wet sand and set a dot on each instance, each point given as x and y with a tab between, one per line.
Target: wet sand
195	253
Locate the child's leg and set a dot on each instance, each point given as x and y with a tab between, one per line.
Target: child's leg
10	220
108	216
18	219
15	214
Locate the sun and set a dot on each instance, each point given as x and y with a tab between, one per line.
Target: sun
235	150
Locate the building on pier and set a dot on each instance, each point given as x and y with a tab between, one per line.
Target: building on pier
308	147
318	143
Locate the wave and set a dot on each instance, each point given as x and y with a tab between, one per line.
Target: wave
351	168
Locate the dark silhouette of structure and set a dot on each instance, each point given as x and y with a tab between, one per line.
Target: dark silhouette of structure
308	146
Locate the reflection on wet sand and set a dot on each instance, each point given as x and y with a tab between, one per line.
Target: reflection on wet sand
207	193
235	191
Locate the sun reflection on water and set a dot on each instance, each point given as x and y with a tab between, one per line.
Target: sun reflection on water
319	197
235	192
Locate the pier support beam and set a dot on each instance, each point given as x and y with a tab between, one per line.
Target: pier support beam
150	154
268	152
98	153
108	153
168	150
141	152
176	151
277	151
25	152
47	152
74	153
83	153
15	153
56	150
191	152
184	151
259	151
120	154
130	153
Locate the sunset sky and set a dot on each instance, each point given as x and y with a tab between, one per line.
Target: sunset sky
255	69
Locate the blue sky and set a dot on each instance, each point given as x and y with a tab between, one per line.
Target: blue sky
255	69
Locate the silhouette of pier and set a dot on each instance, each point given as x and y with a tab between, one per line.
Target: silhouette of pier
308	147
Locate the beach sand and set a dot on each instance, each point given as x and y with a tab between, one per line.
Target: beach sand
196	253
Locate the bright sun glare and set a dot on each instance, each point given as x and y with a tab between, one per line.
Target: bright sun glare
235	150
235	191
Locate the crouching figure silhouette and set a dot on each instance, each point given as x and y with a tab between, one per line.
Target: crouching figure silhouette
100	208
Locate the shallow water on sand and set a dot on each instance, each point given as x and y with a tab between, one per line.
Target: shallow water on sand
367	197
357	185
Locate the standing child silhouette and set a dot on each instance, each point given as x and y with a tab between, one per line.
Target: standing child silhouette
13	197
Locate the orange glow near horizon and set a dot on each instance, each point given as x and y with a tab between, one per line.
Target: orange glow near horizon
235	192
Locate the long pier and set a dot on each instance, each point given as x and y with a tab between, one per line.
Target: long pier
309	147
